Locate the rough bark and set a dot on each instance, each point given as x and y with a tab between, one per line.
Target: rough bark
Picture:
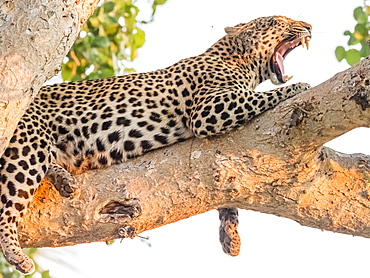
45	29
275	164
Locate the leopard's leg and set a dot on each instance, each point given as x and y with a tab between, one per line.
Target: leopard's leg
229	236
23	165
224	110
62	180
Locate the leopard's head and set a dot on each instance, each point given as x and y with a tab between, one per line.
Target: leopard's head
267	41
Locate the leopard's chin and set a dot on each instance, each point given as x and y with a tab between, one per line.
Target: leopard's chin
277	74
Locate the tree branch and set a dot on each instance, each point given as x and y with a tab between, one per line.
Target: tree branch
276	164
29	29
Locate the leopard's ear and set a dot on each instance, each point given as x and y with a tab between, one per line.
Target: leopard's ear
232	31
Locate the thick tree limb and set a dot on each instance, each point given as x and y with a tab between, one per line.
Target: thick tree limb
29	29
276	164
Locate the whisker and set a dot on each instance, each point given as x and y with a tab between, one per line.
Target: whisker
318	32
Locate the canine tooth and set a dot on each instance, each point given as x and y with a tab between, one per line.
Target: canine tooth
307	39
303	41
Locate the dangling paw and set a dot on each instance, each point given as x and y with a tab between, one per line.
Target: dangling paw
20	261
229	236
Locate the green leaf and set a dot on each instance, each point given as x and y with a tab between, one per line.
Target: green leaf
112	29
129	70
108	7
45	274
361	29
94	22
93	75
365	49
347	33
139	37
67	71
110	20
77	77
111	38
353	40
353	56
100	41
360	15
340	53
107	72
159	2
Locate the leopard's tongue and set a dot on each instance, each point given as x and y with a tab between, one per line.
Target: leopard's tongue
280	62
281	51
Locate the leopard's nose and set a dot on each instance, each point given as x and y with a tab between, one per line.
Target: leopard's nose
308	27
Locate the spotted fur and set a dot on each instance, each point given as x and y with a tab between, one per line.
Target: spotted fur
92	124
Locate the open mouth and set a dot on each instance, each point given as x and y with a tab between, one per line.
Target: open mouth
281	51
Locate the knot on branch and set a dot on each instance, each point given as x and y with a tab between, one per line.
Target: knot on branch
299	113
361	98
119	211
359	86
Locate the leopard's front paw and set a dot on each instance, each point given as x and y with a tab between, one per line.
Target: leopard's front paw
66	185
300	87
63	181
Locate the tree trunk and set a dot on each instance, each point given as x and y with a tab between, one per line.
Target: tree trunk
275	164
35	36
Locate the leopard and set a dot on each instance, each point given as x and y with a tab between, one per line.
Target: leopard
72	127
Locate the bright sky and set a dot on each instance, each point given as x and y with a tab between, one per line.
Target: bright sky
271	246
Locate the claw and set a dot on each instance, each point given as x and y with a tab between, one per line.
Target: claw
287	78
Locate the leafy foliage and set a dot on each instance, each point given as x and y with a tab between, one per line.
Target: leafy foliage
108	41
110	37
359	38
